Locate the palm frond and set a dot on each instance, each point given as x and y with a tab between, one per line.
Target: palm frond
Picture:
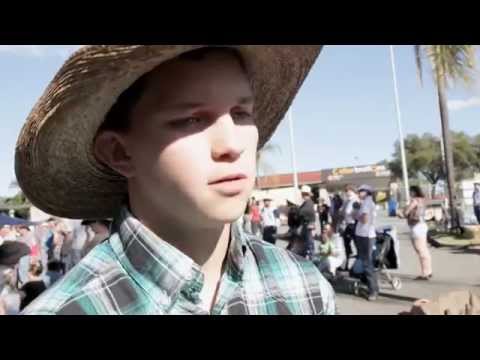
418	59
452	63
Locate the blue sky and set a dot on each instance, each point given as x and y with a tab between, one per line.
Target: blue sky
344	114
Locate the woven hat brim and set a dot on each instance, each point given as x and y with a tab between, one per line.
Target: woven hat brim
54	161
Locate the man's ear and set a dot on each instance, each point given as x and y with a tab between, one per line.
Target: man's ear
110	148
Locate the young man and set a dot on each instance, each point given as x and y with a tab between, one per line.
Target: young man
365	236
164	140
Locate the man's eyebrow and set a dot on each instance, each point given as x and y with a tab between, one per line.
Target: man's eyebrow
246	100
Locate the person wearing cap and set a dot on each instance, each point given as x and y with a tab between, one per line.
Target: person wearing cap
365	236
476	201
307	214
163	139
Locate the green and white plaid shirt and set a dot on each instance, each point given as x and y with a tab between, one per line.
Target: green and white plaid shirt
134	272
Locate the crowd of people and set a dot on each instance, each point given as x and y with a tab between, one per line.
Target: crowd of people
347	222
348	226
45	252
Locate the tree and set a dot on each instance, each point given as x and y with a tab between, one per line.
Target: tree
476	149
465	156
449	64
424	158
263	167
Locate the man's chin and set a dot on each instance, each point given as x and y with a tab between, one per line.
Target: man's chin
227	217
228	212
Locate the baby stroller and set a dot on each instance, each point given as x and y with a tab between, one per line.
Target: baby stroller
385	258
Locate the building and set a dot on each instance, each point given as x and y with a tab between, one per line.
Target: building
465	198
281	187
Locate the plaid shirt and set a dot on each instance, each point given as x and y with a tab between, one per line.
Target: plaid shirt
134	272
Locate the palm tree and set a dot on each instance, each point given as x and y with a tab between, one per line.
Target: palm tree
449	63
263	167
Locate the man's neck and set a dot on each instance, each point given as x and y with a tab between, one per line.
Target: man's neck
207	246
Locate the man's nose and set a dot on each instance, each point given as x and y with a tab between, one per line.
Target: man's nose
226	142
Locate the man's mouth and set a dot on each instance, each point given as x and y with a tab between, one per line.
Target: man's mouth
229	178
230	185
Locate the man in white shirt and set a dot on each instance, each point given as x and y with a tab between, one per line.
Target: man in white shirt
365	236
269	222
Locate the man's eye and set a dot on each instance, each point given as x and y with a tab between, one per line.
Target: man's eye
187	122
241	115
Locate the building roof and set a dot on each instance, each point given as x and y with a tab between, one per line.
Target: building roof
286	180
377	176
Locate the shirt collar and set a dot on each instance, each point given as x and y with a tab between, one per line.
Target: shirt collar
146	256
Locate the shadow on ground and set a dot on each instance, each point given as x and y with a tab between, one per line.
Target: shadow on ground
466	250
398	297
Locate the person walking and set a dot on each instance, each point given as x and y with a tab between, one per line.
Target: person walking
415	214
365	236
269	222
476	201
348	221
307	216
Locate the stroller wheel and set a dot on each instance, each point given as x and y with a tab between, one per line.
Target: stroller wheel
396	283
356	288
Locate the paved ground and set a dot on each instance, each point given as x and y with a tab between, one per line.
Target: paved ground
452	269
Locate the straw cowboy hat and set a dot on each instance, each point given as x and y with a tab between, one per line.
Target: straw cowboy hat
54	160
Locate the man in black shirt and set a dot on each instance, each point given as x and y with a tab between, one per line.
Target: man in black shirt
307	214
